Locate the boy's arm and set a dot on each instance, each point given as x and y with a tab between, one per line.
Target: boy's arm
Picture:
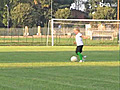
84	37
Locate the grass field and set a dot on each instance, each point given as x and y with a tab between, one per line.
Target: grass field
49	68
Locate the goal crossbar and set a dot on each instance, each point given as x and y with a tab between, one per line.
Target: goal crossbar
106	20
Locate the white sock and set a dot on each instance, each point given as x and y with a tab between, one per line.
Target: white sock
80	61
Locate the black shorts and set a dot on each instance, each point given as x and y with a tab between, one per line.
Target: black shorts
79	49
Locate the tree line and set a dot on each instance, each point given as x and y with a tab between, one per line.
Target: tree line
38	12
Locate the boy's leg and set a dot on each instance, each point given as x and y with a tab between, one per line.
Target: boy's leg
80	55
79	52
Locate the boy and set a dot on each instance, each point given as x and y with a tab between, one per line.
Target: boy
79	43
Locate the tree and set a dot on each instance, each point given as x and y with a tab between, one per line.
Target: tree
46	9
3	13
104	13
61	4
23	14
32	12
93	5
62	13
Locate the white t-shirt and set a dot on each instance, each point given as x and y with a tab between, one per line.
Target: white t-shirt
79	41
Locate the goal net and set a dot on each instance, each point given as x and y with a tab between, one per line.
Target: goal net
100	32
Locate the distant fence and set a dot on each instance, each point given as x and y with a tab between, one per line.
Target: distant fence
66	37
20	31
16	36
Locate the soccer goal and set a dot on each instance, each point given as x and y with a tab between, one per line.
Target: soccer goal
100	32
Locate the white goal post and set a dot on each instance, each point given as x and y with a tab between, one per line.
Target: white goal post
81	20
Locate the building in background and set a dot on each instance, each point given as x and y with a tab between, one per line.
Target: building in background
78	5
78	10
77	14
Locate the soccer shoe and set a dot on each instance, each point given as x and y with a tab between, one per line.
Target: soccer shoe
84	57
80	61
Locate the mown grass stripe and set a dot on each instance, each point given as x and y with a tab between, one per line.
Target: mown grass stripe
59	48
50	64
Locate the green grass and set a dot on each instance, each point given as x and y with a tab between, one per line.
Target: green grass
49	68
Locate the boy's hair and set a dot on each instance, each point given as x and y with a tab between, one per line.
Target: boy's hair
77	29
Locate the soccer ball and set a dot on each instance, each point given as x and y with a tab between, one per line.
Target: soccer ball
73	59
